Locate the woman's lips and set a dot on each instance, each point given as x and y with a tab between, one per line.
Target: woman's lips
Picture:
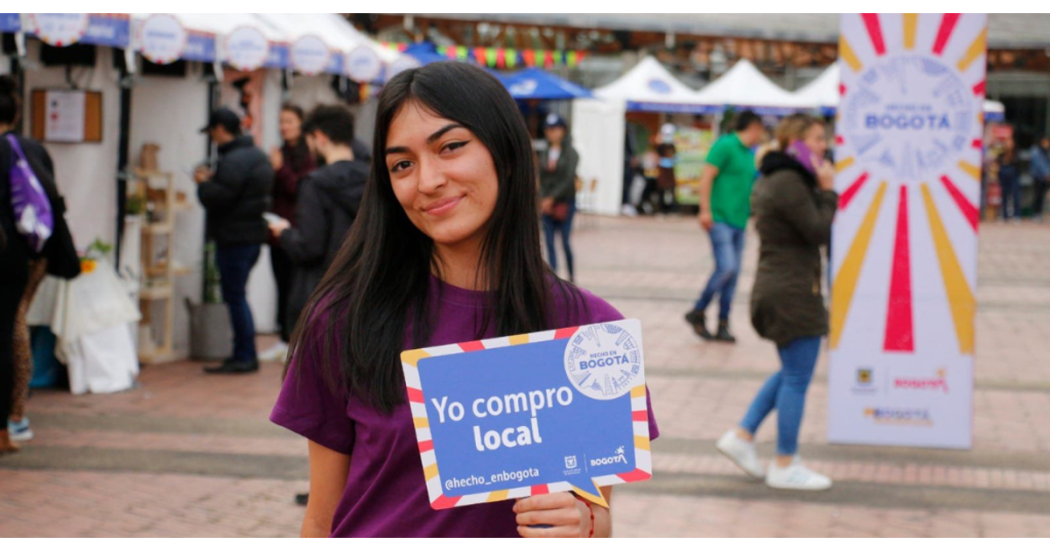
437	208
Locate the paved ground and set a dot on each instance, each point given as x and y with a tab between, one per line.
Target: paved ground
186	455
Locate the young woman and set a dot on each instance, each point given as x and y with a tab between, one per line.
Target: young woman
445	249
291	163
558	189
794	205
21	270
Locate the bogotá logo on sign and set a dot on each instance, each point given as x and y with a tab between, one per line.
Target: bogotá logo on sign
938	383
618	456
900	416
865	381
910	117
603	361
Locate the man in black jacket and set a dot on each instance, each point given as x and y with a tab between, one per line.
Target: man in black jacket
236	195
329	199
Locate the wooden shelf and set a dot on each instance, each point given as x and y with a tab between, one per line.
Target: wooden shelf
160	292
162	271
160	228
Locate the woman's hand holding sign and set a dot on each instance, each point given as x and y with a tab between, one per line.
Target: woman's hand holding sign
561	515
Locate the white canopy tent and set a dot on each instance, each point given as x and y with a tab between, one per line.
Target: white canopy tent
823	91
744	86
599	126
648	86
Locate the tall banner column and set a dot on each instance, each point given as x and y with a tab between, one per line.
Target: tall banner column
904	243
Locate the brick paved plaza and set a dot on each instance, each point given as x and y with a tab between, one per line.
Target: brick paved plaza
191	455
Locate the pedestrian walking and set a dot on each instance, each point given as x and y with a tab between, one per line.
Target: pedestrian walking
235	197
445	249
725	206
34	241
291	163
1010	181
558	189
794	204
666	181
1040	171
329	199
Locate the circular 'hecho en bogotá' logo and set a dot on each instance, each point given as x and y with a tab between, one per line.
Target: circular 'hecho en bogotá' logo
909	116
603	361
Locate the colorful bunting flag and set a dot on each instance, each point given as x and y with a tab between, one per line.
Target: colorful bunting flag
461	52
529	57
570	59
501	58
512	58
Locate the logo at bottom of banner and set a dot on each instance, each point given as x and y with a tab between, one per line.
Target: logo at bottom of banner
517	416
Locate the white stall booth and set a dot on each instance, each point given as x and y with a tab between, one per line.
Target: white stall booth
599	125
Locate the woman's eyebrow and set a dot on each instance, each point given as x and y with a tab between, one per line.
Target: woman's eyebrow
430	139
437	135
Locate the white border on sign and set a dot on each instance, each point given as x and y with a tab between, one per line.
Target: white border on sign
76	32
173	55
305	68
250	64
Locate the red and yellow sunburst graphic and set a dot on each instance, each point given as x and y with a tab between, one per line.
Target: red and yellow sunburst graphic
908	153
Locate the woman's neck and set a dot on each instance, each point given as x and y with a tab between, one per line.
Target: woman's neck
459	265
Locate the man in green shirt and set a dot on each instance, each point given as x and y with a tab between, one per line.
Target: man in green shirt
725	205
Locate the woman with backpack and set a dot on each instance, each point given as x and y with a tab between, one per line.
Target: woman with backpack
34	240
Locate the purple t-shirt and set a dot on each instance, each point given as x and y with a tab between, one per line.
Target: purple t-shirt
386	494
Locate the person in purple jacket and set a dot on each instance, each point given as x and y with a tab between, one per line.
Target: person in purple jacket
445	249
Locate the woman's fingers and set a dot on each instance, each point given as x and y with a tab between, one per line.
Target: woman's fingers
545	501
553	517
554	532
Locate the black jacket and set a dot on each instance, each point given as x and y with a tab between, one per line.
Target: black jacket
238	194
38	158
329	199
793	217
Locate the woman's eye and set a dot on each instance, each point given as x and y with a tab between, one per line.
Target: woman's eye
455	145
400	165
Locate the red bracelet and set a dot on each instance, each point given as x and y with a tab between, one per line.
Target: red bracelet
589	508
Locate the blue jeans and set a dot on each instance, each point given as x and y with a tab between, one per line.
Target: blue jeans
1010	183
550	226
786	391
727	244
235	264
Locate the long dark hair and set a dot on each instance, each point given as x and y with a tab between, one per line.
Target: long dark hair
300	151
378	283
9	101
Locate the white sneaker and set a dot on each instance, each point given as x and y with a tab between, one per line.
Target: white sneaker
629	210
796	477
741	452
275	353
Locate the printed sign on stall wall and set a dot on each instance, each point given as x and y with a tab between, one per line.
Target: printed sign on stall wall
162	38
363	64
904	243
553	411
310	55
58	29
246	49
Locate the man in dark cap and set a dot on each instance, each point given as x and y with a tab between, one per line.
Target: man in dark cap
235	196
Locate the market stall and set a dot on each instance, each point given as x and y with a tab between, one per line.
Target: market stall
647	96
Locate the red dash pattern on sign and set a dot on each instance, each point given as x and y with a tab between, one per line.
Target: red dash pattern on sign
415	395
540	490
944	33
445	502
871	21
978	89
426	446
472	346
899	335
635	476
976	144
640	416
565	333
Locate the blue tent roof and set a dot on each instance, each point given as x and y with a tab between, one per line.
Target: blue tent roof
536	83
